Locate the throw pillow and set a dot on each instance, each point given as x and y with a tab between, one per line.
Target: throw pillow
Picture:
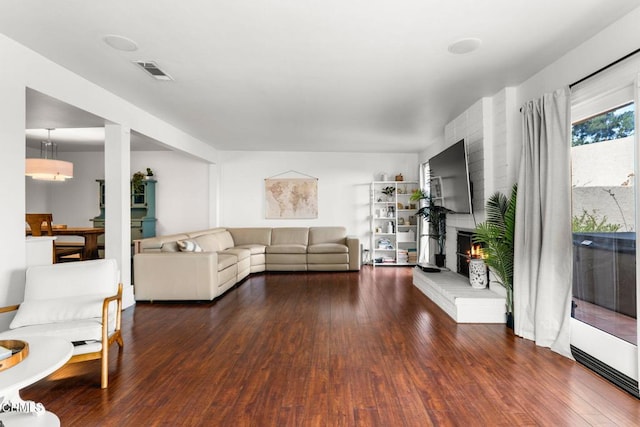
188	246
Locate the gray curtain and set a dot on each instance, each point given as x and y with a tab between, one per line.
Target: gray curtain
543	239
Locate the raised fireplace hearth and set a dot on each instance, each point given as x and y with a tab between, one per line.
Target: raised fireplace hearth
464	304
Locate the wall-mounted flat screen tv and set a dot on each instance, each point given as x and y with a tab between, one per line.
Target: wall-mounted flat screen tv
450	178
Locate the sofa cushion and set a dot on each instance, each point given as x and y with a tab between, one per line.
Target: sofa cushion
227	277
199	233
287	249
238	252
327	248
327	235
154	244
39	312
72	279
77	330
225	240
226	260
249	236
325	258
289	236
188	246
258	259
208	242
253	249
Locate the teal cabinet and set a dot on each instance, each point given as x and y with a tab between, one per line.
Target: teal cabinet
143	209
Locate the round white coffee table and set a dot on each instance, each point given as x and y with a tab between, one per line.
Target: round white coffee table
46	355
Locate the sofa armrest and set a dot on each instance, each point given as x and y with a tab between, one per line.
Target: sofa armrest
168	276
353	243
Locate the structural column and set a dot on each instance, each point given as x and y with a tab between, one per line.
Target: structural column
117	160
12	190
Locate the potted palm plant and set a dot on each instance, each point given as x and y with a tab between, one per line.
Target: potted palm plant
496	235
436	216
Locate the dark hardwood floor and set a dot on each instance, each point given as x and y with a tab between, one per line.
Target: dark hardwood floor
327	349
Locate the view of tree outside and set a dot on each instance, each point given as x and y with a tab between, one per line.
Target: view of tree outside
615	124
603	172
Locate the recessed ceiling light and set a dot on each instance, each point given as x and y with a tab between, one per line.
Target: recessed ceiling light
462	46
120	43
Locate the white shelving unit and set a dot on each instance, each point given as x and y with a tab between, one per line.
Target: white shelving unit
393	223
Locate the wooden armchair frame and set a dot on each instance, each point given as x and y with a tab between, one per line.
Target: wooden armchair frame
107	340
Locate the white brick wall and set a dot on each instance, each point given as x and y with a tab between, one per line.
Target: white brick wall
488	128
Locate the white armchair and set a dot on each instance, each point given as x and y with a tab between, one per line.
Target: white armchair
80	302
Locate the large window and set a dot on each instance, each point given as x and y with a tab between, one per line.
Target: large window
603	218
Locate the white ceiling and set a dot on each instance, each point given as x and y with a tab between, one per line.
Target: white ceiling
304	75
72	129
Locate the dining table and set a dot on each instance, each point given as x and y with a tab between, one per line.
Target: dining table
90	235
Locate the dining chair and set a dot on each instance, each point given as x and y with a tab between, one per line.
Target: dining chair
41	225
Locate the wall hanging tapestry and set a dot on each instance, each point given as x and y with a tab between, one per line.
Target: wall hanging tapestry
291	198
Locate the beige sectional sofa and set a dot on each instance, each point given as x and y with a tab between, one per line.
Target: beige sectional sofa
202	265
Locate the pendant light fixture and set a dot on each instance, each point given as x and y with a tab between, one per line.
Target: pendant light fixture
48	167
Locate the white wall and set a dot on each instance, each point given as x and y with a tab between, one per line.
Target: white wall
22	68
181	192
343	185
609	45
472	126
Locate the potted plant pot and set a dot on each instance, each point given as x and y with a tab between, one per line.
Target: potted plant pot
509	321
440	260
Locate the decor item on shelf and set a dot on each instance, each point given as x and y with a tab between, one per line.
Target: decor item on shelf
390	228
391	211
385	244
496	235
48	167
389	192
477	273
399	177
436	216
149	173
384	176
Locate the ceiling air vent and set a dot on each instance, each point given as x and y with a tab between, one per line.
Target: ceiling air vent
153	69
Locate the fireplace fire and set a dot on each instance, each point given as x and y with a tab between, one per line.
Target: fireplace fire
469	253
467	250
